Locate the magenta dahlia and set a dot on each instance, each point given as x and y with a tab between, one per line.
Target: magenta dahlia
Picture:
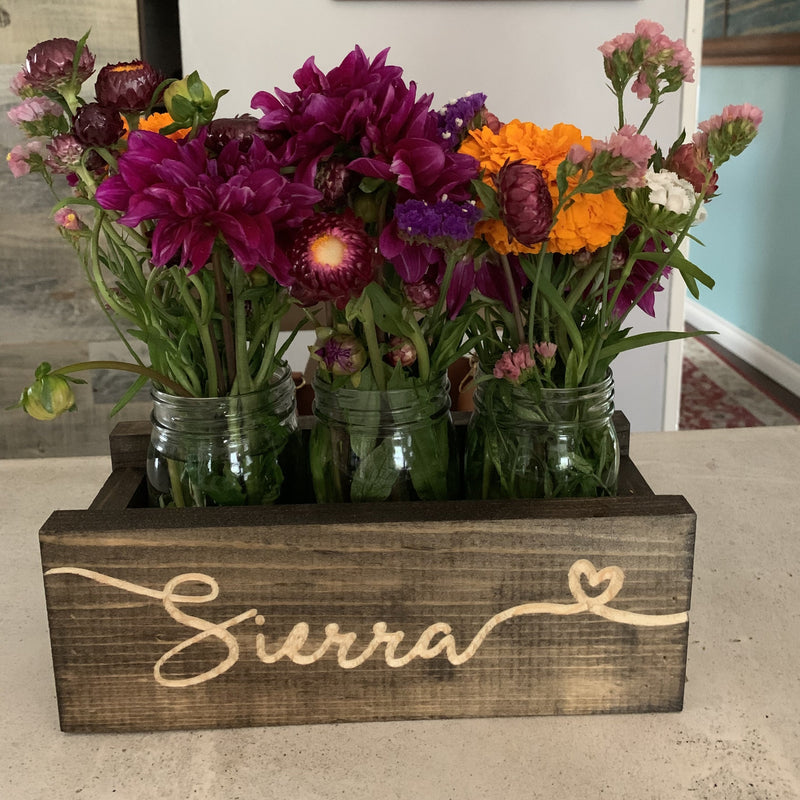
332	259
240	197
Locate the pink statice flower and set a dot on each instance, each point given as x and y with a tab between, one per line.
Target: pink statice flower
621	161
513	364
659	64
20	86
727	134
32	109
20	157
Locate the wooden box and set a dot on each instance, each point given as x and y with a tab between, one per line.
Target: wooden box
192	618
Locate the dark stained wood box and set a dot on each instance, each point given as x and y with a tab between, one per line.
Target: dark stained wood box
196	618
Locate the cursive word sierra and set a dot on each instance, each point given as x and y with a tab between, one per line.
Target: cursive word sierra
427	645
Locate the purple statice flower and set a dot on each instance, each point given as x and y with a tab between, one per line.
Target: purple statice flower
194	198
436	223
458	116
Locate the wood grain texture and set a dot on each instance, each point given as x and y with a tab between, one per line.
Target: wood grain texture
407	565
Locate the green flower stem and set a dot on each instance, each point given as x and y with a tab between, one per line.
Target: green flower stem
512	293
173	468
201	321
97	275
123	366
229	345
267	366
376	362
243	378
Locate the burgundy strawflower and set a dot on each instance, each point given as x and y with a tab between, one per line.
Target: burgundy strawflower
49	65
689	163
194	198
98	126
332	258
128	86
424	293
241	129
64	153
401	351
334	180
526	207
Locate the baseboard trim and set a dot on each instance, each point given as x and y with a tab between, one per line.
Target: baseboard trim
773	364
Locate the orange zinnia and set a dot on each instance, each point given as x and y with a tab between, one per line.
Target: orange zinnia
590	221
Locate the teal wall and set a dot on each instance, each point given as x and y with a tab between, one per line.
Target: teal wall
752	234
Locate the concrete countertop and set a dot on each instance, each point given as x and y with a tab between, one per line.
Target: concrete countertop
738	736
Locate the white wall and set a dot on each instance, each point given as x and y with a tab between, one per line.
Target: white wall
535	59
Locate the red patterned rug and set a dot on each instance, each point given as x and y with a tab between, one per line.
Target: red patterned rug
714	394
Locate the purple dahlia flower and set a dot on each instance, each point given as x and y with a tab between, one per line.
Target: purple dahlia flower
194	198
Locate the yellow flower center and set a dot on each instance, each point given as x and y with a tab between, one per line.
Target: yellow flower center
328	251
126	67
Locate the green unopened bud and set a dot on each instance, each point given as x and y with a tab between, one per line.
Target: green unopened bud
189	101
49	396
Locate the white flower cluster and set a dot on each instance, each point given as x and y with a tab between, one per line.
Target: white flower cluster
673	193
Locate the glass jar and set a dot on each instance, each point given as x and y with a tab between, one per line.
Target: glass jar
530	442
225	451
370	445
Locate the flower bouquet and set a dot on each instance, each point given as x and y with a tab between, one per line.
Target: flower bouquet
584	231
175	217
410	237
391	313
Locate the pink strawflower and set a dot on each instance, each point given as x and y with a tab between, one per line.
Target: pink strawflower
513	363
19	158
67	218
65	153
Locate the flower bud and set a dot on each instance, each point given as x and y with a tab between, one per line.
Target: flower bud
49	65
127	86
97	126
48	397
526	207
401	351
689	163
341	354
189	101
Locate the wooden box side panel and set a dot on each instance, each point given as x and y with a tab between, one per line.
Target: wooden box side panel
321	614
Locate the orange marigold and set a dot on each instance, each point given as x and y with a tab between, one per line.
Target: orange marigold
590	221
155	122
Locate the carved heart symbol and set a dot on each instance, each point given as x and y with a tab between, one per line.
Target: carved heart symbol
612	576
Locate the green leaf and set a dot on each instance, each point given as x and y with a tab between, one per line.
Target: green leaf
375	475
387	314
129	395
488	197
645	339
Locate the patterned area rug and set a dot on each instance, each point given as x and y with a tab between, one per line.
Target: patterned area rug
715	395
